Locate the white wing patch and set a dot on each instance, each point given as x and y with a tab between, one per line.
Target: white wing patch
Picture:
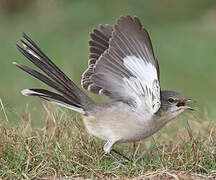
144	85
143	71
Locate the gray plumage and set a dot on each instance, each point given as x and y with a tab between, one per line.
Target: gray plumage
121	66
98	44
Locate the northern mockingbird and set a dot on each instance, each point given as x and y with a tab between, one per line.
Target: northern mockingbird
121	66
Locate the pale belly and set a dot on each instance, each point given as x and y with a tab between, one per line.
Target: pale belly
119	127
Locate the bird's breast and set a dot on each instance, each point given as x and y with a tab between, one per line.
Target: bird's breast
121	126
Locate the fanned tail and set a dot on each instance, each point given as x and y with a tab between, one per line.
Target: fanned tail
70	95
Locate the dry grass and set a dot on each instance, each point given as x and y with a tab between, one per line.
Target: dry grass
63	150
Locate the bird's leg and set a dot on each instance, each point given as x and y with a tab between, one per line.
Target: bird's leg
108	149
120	154
115	158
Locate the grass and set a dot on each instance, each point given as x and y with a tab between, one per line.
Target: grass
48	142
63	149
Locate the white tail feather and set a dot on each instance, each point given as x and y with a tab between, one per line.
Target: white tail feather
30	51
80	110
29	92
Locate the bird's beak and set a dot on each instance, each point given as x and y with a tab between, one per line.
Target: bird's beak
189	101
184	106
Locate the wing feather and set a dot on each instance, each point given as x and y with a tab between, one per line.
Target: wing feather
122	65
99	43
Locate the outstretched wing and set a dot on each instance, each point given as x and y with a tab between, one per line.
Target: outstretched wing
98	44
127	70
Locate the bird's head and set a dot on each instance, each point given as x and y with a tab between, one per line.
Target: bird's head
173	103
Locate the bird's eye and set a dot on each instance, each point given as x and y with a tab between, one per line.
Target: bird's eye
171	100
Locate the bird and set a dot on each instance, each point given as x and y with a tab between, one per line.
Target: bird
122	67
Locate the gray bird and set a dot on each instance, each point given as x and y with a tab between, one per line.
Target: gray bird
121	66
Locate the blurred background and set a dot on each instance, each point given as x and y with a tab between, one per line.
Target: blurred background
183	34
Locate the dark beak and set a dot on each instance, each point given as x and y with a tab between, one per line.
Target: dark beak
189	101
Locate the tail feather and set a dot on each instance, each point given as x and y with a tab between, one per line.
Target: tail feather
53	77
35	51
46	80
53	98
51	81
47	70
39	59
